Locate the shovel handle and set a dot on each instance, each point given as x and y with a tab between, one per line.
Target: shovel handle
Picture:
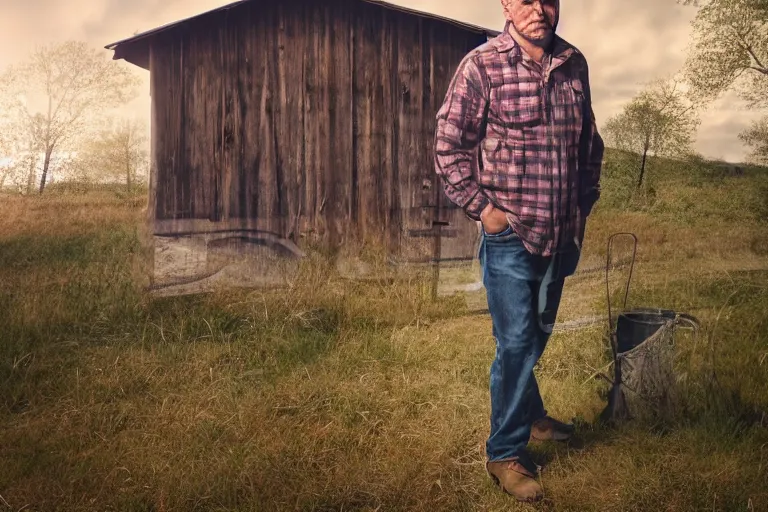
629	278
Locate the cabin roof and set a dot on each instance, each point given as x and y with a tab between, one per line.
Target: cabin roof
123	47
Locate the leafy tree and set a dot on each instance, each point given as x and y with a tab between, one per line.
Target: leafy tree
117	153
730	50
657	121
7	148
756	137
59	91
17	151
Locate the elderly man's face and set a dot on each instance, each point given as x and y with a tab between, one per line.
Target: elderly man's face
535	20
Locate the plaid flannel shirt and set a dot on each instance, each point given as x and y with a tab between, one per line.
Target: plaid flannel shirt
522	135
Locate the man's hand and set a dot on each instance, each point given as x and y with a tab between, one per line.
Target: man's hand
493	220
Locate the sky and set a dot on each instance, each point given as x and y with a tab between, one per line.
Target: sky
626	42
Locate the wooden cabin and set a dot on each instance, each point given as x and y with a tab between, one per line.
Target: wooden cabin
280	123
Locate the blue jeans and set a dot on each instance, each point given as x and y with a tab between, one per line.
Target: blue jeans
523	292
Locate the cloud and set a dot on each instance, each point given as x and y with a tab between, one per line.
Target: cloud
627	43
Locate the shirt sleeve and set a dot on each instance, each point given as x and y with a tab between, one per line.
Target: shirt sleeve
460	120
592	149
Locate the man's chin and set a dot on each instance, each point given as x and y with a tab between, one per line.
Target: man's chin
539	38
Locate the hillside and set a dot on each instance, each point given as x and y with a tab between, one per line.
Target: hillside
336	395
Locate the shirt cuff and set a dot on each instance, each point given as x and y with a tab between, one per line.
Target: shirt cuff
476	206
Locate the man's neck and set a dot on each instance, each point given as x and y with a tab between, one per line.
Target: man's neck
536	51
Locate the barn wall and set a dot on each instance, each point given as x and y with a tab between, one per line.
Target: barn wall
302	117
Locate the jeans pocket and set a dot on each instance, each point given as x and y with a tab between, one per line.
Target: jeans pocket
507	231
504	236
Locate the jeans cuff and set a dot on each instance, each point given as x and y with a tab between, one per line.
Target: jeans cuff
539	415
524	461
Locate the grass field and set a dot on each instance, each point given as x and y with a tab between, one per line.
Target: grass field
342	396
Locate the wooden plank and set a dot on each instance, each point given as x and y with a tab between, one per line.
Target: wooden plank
183	206
390	124
243	84
156	107
409	127
353	210
230	37
277	86
338	148
266	187
166	62
374	118
428	176
194	163
314	112
324	122
249	175
364	67
206	158
292	126
305	221
167	59
442	68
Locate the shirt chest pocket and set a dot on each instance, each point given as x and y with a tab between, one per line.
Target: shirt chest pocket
569	110
577	88
517	106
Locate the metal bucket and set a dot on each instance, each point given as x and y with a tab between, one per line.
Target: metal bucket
643	347
635	326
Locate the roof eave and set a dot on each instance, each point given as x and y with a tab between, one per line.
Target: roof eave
138	56
117	45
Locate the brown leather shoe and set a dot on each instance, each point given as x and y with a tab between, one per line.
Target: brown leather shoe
515	480
549	429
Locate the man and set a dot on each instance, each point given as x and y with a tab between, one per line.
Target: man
517	148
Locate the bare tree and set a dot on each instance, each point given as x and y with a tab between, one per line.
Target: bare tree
59	90
118	152
657	121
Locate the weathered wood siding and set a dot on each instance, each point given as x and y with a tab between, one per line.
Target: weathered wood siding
302	117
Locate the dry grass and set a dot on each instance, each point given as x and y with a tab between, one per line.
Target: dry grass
344	396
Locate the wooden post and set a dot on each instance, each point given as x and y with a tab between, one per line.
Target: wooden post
437	249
